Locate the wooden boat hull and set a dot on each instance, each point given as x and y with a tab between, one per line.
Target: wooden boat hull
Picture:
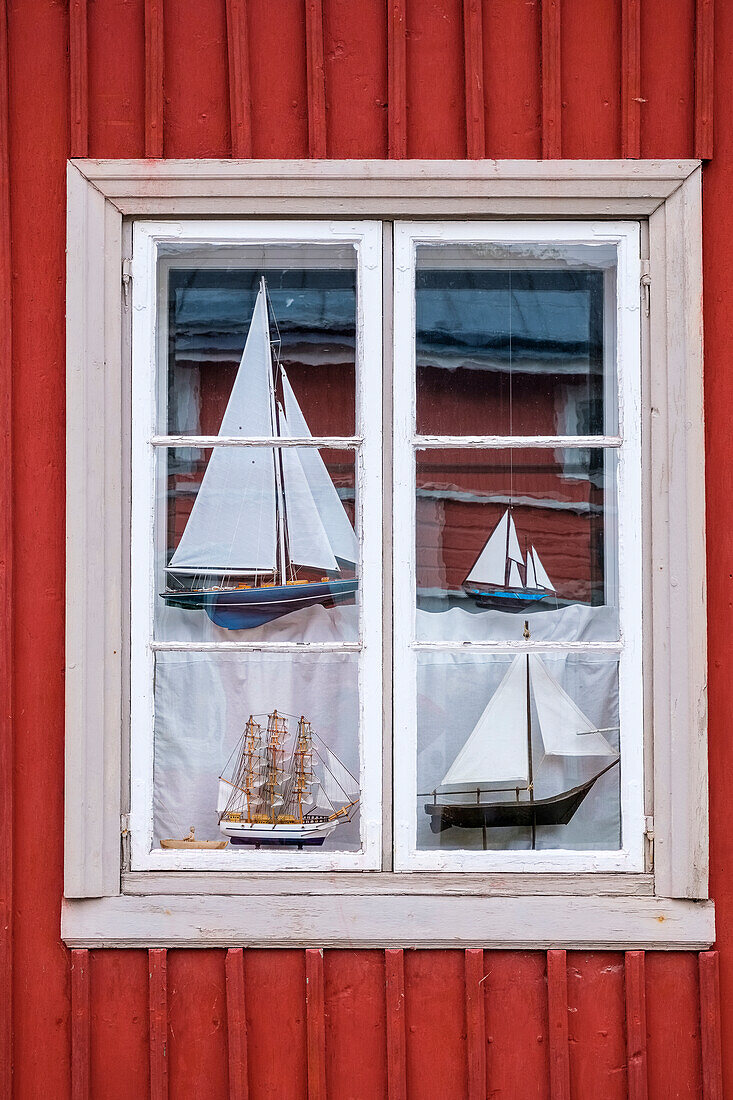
244	608
310	834
505	599
557	810
182	845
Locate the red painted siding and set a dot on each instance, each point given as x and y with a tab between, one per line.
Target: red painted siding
337	78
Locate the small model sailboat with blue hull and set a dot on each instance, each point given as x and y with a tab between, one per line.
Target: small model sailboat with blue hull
501	579
265	519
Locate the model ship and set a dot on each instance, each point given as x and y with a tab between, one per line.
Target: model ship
498	756
267	533
190	841
279	789
501	579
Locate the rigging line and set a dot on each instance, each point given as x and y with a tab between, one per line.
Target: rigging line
511	397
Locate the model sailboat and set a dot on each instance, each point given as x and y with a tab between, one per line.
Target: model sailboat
500	578
265	519
278	789
498	756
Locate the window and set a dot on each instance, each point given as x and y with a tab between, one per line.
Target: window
385	637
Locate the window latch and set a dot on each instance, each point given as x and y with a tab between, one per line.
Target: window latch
126	279
646	282
649	834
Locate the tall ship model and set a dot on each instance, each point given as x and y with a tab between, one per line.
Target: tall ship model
501	579
498	756
268	533
283	789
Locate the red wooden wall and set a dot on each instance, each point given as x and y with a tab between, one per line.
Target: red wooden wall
336	78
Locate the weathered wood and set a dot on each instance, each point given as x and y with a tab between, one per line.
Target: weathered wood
236	1025
79	78
475	1024
389	921
316	1024
316	78
158	1023
80	1025
710	1029
636	1059
394	986
557	1009
240	109
631	78
154	68
397	79
473	55
551	81
704	87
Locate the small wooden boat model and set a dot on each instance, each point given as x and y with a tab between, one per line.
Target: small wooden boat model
190	841
500	579
268	533
284	790
497	758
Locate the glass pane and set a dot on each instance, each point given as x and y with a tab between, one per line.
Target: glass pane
508	534
495	773
256	542
516	340
299	301
257	749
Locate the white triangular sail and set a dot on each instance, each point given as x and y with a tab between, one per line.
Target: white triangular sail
564	728
338	783
328	503
541	578
308	543
515	581
225	793
496	751
490	566
531	574
513	551
232	523
320	803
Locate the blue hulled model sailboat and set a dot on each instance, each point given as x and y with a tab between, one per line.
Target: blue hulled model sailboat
501	579
265	519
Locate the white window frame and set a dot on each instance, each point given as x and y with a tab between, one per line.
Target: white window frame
105	903
149	344
624	237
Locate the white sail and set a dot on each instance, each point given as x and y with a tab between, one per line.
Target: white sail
225	793
542	580
496	751
490	566
531	575
564	728
339	784
515	581
320	803
328	503
513	551
232	523
308	543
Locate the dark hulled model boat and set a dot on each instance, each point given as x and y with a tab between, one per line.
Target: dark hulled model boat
498	758
266	521
500	579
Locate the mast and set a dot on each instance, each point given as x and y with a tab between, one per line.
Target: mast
302	765
525	634
274	752
507	562
276	451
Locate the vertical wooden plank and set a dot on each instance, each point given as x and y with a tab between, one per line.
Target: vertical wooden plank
120	1061
80	1025
557	1009
154	61
316	78
158	1022
667	35
355	64
397	80
551	84
6	585
116	97
435	1005
394	980
513	79
315	1024
636	1060
79	78
596	1034
475	1024
704	79
355	1024
631	78
473	54
712	1066
240	105
673	1025
236	1025
516	1024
